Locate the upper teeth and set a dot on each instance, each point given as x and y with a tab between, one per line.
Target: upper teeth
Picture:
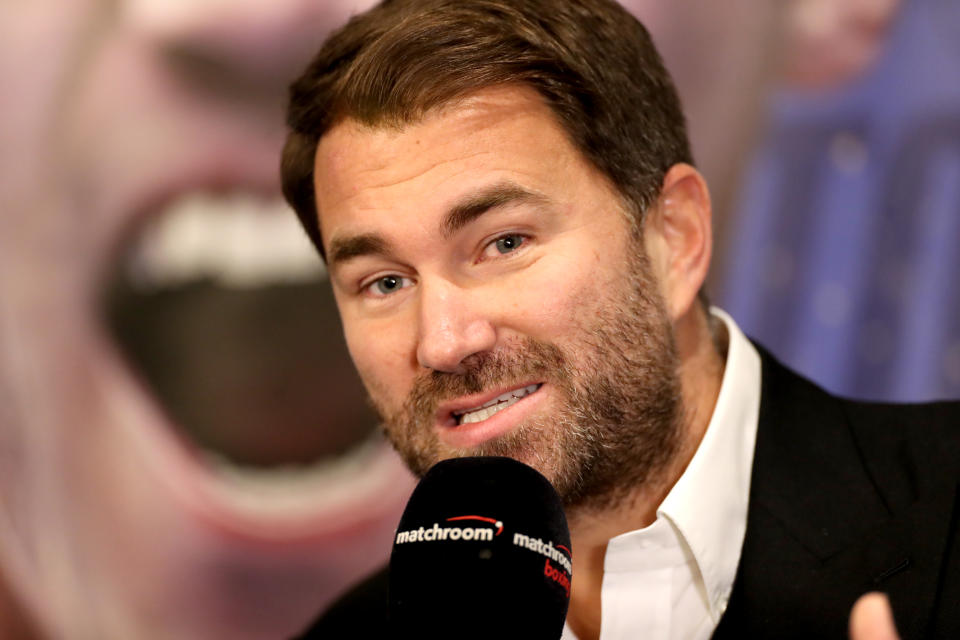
238	240
499	403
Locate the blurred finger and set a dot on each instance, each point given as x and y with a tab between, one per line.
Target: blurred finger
872	619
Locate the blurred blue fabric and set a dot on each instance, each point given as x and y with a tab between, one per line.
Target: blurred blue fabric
846	254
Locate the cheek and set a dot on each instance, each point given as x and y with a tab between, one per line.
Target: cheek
554	296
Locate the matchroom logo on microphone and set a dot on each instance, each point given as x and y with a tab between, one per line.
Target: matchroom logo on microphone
560	554
436	532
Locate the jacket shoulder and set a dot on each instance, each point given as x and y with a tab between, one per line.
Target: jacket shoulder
910	449
906	449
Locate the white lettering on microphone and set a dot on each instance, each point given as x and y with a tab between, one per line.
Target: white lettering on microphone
436	532
544	548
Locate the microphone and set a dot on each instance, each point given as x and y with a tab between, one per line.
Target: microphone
482	551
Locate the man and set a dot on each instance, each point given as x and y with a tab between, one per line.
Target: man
517	241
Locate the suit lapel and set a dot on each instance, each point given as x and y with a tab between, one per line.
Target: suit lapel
807	470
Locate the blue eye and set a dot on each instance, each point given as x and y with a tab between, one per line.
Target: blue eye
506	244
387	284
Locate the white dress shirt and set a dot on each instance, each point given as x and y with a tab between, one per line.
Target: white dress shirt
672	579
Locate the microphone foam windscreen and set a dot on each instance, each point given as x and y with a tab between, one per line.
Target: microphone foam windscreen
482	551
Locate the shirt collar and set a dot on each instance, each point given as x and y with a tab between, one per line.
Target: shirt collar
708	504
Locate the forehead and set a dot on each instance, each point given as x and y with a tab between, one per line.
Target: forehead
497	134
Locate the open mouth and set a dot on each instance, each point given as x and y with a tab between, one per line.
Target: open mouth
498	404
220	306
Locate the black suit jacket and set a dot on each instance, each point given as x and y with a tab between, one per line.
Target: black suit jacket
846	497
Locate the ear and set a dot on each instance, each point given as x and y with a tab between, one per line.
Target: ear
677	236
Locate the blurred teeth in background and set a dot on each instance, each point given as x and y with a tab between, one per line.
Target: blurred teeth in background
237	240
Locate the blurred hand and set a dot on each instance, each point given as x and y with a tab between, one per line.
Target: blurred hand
872	619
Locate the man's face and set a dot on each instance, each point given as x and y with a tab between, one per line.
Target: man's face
494	298
113	522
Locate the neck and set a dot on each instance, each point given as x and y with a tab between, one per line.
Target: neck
702	354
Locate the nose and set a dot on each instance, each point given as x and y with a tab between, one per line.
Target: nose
453	326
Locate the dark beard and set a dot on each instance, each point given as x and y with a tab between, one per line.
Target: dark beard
619	422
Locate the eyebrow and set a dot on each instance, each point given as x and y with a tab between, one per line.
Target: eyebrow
344	249
459	216
496	196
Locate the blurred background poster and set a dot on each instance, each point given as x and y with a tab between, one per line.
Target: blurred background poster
185	450
844	250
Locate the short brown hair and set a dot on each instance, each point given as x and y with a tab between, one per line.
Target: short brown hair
592	62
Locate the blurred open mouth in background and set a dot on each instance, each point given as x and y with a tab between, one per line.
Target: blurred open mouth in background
221	308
